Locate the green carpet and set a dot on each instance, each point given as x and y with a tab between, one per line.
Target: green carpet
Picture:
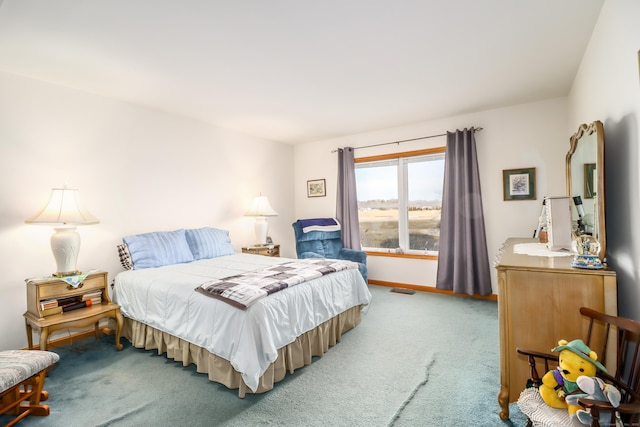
415	360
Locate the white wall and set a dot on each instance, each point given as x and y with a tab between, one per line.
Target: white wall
528	135
138	170
607	88
141	170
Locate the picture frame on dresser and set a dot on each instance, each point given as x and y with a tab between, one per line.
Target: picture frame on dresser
590	184
519	184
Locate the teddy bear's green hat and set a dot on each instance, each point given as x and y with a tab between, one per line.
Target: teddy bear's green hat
581	349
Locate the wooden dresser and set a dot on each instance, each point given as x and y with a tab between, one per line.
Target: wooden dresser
539	298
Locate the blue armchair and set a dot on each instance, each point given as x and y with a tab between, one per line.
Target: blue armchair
327	244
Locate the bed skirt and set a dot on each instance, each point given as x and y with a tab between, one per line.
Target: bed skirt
299	353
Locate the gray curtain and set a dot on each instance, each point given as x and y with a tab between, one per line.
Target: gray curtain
463	261
347	200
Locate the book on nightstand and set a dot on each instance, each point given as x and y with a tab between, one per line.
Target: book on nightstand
76	305
95	297
48	303
68	300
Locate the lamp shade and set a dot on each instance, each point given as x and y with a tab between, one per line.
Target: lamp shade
63	208
260	207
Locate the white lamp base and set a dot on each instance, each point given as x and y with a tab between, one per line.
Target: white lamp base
65	245
261	229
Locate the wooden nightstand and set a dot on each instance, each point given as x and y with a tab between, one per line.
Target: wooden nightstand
266	250
47	320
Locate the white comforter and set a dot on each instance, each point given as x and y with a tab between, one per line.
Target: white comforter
165	298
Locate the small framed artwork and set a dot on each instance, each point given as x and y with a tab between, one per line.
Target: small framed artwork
316	188
519	184
590	180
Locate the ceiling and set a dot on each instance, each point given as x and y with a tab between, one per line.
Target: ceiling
297	71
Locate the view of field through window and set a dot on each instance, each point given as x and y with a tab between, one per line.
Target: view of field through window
381	201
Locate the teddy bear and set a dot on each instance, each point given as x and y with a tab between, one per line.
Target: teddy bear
596	389
575	359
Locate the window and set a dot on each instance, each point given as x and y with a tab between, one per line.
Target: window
400	200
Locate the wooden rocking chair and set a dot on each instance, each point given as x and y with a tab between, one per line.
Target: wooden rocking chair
624	374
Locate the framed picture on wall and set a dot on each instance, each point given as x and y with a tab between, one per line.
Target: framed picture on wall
519	184
316	188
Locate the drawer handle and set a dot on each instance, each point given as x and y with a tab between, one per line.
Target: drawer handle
70	287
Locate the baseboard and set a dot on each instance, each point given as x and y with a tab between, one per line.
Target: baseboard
492	297
70	339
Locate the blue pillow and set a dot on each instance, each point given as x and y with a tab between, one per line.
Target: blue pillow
209	242
157	249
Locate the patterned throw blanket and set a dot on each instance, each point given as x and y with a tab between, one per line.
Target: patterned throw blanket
244	289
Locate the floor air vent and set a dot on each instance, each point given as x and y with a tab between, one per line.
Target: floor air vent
403	291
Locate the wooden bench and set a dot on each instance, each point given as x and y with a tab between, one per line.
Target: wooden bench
22	374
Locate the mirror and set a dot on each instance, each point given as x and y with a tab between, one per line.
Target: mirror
585	183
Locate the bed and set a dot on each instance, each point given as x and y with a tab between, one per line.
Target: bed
246	348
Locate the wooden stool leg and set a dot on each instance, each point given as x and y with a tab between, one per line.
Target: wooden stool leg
34	407
9	401
18	418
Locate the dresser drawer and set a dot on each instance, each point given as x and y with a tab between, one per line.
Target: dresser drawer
60	288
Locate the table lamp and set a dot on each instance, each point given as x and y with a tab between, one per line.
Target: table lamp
64	212
261	209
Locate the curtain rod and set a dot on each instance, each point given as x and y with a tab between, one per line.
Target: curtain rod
405	140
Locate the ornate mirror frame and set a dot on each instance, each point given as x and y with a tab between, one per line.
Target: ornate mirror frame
584	174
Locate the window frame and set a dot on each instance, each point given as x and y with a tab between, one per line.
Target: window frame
402	201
